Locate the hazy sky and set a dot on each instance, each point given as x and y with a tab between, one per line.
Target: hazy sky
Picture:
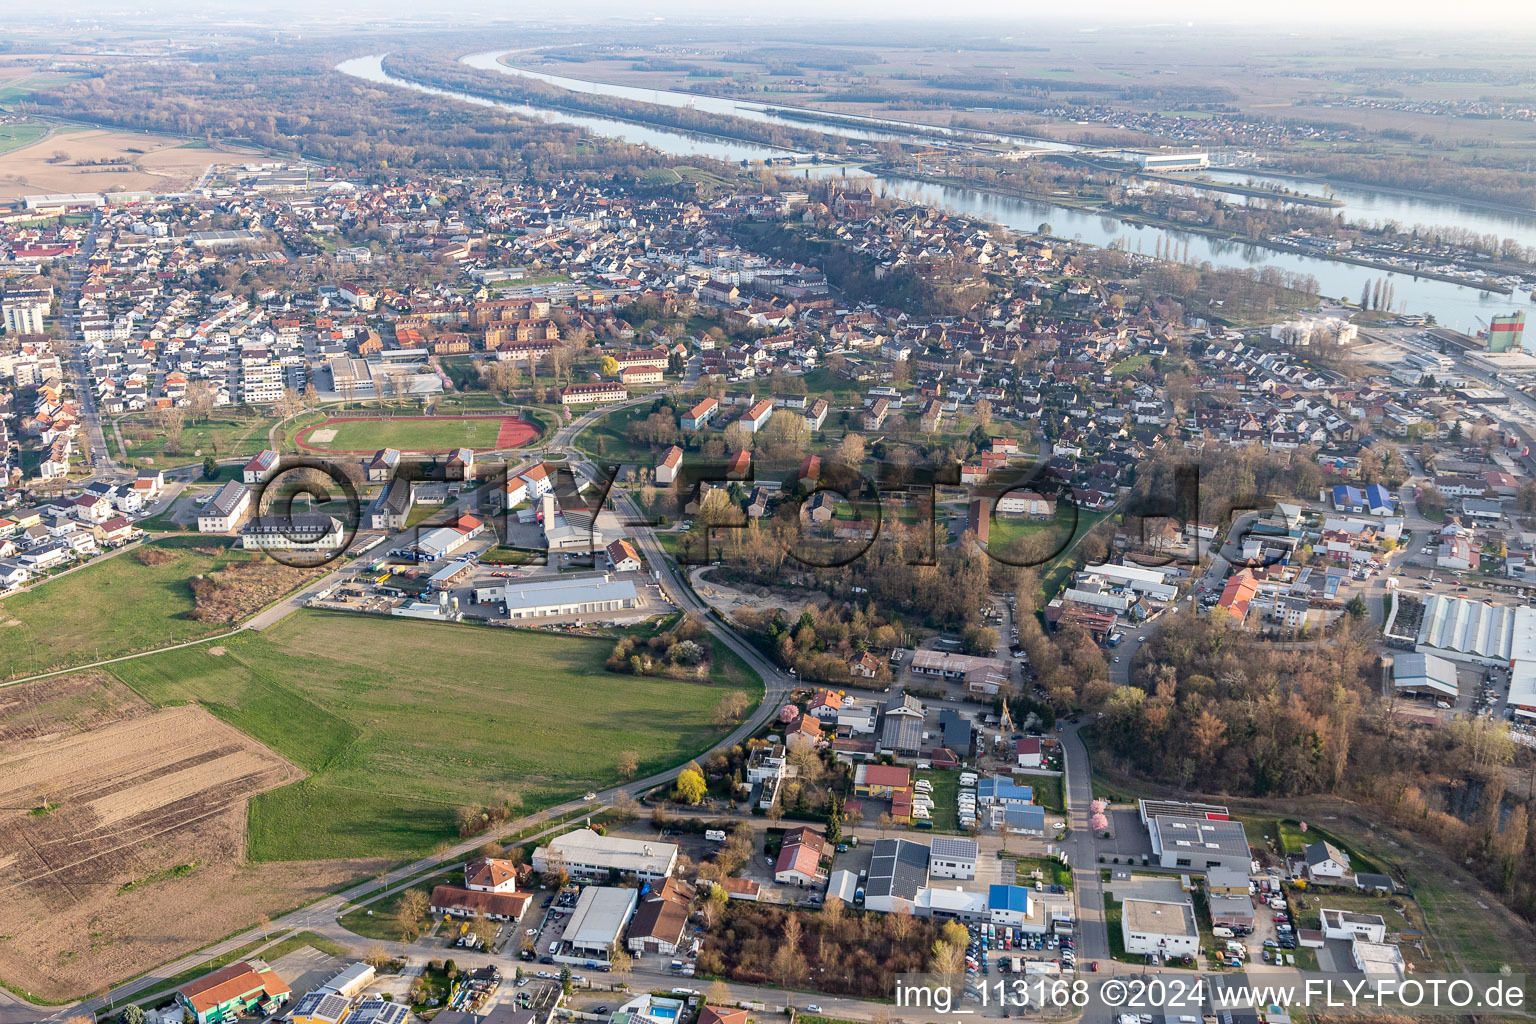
1305	16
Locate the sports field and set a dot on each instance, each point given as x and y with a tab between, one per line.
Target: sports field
402	722
361	435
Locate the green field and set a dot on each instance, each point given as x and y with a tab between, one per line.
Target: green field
946	792
224	435
377	919
14	136
402	722
420	435
114	607
1052	872
1047	791
22	87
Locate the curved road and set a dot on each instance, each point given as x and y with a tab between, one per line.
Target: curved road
776	686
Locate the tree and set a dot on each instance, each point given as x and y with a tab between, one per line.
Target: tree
483	928
377	957
1044	228
410	911
471	819
1356	606
210	467
719	994
625	806
946	958
884	823
565	980
834	821
628	764
131	1014
850	452
982	410
786	433
731	707
621	964
691	787
738	437
713	907
502	375
609	366
981	640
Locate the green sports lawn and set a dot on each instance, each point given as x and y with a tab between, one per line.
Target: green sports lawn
418	435
401	722
114	607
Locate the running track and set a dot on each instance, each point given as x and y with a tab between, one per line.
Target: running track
513	433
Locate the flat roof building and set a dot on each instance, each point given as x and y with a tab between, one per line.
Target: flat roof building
1199	844
601	915
1158	927
586	854
592	595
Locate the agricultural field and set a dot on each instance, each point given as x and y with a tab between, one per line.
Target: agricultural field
417	434
14	136
134	601
18	81
114	813
98	160
397	737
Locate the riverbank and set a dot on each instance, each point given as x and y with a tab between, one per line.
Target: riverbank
748	135
1452	303
1254	191
1387	190
1129	217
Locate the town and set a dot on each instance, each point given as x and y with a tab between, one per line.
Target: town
700	598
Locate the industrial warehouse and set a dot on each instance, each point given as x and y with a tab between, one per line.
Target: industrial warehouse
562	595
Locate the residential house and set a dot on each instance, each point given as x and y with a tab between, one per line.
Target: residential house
1326	862
261	467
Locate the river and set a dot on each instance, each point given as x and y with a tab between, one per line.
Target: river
1367	205
875	129
1453	305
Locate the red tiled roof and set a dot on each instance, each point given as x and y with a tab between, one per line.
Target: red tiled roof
489	871
232	982
506	904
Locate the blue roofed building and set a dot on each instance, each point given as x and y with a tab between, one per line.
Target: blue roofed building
1348	499
1009	905
1026	821
1378	500
998	790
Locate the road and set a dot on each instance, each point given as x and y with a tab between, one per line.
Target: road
325	912
323	916
1082	848
85	392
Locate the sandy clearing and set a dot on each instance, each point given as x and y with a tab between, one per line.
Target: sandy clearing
325	436
728	599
